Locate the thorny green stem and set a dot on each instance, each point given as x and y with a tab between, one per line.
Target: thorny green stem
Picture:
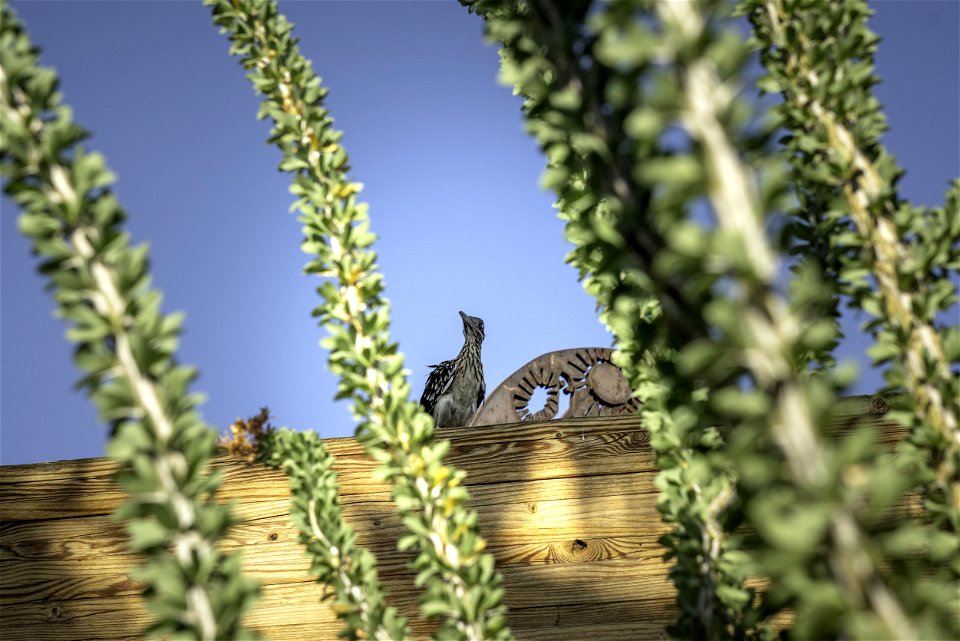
774	328
923	343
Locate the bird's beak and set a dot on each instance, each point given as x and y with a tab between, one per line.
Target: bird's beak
468	321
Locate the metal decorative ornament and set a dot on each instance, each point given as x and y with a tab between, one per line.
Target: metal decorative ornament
587	375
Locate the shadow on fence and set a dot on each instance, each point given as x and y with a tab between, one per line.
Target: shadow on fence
568	508
63	558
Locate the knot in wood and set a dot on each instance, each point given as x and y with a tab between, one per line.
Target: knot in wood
637	440
54	612
273	536
578	546
879	405
532	507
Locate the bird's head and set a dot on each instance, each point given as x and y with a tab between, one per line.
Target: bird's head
472	327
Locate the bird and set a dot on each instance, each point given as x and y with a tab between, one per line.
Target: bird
455	388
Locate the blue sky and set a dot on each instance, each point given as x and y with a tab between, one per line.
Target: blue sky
451	179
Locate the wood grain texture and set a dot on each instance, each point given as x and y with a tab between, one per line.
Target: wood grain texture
568	509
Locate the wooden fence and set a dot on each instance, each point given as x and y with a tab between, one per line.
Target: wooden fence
568	508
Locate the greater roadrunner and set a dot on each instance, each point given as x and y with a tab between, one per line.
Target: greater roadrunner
456	388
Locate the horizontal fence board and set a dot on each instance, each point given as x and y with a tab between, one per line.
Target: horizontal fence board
568	509
615	621
516	452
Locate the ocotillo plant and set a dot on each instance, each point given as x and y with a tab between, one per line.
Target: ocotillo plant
820	58
702	323
126	348
337	560
669	235
461	585
345	570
